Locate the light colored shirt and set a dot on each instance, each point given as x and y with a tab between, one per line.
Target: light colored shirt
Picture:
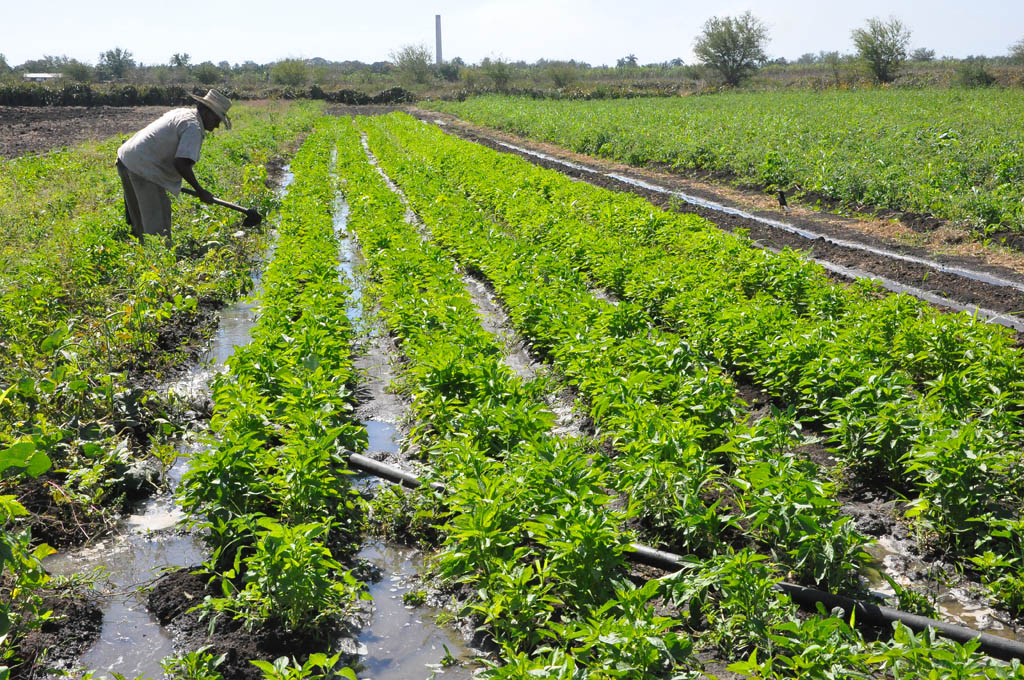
151	151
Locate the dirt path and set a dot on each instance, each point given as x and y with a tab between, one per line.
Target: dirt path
943	244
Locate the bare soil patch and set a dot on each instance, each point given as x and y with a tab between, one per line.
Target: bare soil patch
38	129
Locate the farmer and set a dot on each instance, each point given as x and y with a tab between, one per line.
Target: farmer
160	155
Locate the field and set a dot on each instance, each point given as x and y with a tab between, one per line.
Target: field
580	371
957	155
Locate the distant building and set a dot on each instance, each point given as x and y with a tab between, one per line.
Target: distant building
42	77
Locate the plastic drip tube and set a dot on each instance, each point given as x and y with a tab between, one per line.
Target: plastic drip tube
993	645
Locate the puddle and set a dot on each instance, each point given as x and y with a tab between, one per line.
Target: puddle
399	642
148	541
404	642
382	436
961	603
348	259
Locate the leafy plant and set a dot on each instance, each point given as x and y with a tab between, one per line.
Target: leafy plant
316	667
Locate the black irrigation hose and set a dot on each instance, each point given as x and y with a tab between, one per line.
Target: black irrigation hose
866	612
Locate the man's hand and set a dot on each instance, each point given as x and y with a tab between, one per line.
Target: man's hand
184	168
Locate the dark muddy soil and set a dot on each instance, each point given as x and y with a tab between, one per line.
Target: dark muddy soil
53	520
38	129
73	628
177	592
964	290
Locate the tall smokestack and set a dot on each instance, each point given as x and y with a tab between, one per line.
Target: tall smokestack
437	30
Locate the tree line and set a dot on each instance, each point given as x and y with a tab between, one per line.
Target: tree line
729	50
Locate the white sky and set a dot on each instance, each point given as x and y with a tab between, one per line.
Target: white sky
595	31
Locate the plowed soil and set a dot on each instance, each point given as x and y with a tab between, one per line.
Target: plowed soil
38	129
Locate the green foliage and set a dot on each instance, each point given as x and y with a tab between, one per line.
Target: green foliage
290	72
733	597
116	62
413	62
208	74
316	667
198	665
972	73
271	490
925	151
902	392
499	71
290	577
883	46
734	47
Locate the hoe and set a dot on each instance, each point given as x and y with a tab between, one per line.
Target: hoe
252	218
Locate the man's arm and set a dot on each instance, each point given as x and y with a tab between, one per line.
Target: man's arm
184	168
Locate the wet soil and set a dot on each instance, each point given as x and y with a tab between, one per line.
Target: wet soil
74	626
997	298
177	592
38	129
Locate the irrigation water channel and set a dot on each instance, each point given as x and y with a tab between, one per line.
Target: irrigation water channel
398	642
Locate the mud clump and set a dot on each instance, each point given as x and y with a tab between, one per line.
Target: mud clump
74	627
178	592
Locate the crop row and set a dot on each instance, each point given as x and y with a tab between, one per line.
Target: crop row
923	402
700	476
82	307
271	492
503	473
528	531
955	155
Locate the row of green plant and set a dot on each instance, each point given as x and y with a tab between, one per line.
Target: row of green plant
508	472
702	478
271	493
528	533
958	156
923	402
84	310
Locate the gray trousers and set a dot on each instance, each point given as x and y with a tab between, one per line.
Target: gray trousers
148	205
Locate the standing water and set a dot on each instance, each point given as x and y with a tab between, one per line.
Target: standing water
149	542
401	641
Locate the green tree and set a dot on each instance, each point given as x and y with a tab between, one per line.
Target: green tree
922	54
116	62
562	74
4	66
1016	52
413	62
450	70
498	70
290	72
77	71
181	60
207	74
732	47
883	47
628	60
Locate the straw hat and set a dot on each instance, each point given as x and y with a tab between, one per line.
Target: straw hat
217	103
